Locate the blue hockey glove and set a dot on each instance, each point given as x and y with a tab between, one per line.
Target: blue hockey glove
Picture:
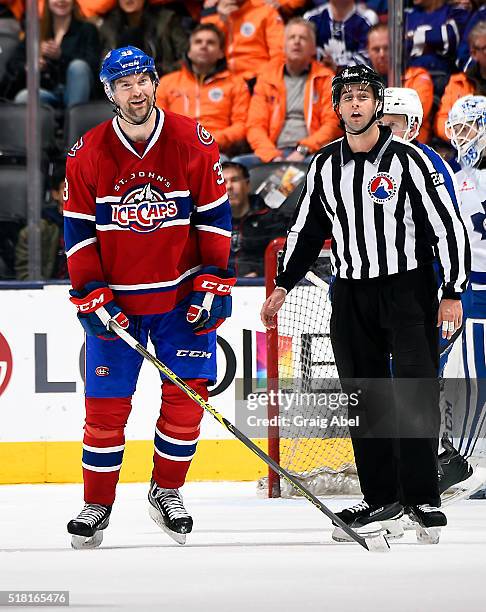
94	296
211	299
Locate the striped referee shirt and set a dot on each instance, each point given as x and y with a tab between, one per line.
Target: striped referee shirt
388	211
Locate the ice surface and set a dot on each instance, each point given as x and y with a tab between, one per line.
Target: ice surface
245	555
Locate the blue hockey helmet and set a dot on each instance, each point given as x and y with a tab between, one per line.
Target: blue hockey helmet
124	61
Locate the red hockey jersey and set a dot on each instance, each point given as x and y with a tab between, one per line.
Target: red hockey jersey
145	217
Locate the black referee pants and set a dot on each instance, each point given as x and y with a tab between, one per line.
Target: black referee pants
380	326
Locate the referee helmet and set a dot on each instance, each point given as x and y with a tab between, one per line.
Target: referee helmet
363	75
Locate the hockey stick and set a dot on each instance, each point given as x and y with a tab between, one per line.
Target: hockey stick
373	543
318	282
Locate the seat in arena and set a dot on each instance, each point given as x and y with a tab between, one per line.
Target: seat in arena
13	129
13	203
8	43
83	117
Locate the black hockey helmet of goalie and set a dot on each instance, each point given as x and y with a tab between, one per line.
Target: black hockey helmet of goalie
364	76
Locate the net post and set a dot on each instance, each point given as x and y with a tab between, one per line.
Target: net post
271	262
395	41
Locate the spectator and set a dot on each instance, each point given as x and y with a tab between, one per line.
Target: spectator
93	8
254	225
205	90
87	8
290	114
341	27
463	55
12	8
190	8
155	30
380	7
52	235
433	32
9	20
415	77
254	34
69	57
471	81
287	8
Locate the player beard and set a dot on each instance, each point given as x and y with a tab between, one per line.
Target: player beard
132	113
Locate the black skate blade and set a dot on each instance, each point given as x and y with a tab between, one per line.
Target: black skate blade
85	543
466	488
155	515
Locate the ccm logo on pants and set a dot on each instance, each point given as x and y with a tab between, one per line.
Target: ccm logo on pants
187	353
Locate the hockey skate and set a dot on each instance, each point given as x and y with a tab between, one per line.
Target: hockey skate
370	521
428	522
463	477
87	528
167	510
453	468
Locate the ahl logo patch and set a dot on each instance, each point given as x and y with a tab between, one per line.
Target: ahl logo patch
102	371
382	187
203	135
143	209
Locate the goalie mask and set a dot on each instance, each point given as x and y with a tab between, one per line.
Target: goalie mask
466	129
365	77
405	101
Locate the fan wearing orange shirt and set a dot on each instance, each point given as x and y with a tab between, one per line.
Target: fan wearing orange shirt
204	89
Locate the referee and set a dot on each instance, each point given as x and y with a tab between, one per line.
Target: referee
390	214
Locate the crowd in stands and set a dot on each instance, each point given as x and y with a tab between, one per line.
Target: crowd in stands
255	73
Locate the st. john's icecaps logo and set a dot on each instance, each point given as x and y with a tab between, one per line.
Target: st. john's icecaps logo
143	209
382	187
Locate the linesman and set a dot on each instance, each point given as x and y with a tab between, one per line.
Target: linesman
389	213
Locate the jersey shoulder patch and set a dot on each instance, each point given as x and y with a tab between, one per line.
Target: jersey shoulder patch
188	132
203	135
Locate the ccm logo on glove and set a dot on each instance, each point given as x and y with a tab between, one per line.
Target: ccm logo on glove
94	296
211	299
94	302
213	285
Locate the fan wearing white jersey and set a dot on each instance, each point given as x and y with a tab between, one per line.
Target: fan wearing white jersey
403	114
466	129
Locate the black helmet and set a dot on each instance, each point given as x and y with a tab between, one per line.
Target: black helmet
359	74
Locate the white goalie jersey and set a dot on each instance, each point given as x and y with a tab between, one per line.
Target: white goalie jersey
472	192
465	375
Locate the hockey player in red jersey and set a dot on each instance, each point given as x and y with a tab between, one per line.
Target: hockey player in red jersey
147	232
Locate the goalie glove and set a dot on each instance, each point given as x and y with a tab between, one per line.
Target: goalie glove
211	299
94	296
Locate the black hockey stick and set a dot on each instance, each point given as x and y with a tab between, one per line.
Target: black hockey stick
373	543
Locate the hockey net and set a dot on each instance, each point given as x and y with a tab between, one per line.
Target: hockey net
300	365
